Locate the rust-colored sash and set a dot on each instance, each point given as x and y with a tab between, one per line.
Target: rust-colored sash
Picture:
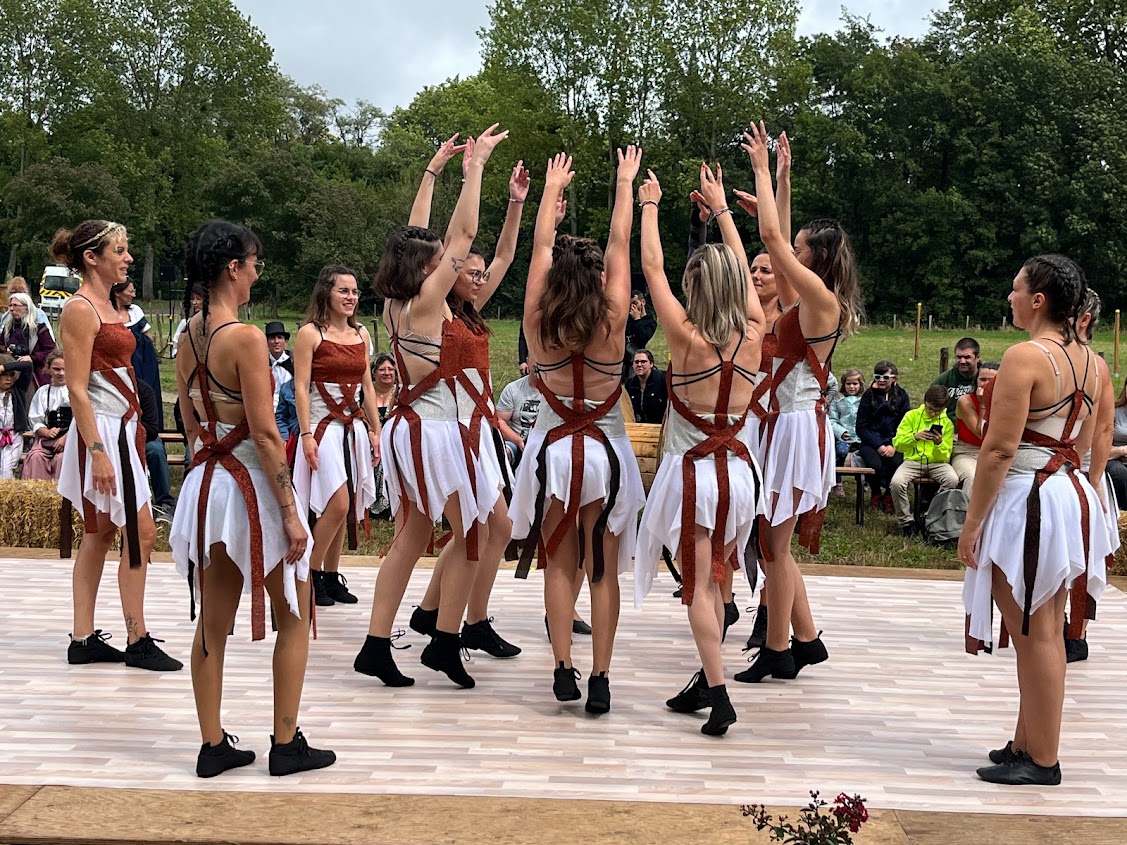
346	412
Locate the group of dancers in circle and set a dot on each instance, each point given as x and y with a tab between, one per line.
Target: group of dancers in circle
748	461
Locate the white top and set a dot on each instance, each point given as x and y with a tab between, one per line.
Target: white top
280	373
135	315
47	398
176	336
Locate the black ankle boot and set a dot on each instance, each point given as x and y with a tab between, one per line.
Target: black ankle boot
1003	755
808	653
731	617
217	759
598	694
336	588
444	654
480	636
692	698
723	714
424	621
1075	650
564	683
1020	770
758	637
777	664
296	756
375	659
321	597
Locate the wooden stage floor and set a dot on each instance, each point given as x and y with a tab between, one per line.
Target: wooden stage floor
899	714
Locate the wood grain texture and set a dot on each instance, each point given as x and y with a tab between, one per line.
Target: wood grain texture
899	714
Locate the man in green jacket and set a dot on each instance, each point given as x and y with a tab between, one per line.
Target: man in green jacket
925	437
963	377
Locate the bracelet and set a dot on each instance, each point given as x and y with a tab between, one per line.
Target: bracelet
648	202
432	173
518	202
306	434
725	210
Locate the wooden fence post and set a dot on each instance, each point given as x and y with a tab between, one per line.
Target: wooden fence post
944	358
919	319
1117	342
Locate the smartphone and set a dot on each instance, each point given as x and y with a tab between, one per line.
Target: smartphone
937	429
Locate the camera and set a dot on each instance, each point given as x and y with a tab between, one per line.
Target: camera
60	418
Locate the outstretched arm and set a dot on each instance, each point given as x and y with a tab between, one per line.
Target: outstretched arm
420	210
786	293
669	311
621	222
557	177
712	189
507	243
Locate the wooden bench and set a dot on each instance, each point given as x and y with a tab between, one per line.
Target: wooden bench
858	474
918	489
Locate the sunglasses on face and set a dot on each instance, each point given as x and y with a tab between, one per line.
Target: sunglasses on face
883	377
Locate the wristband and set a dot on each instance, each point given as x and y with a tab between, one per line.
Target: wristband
518	202
725	210
648	202
432	173
306	434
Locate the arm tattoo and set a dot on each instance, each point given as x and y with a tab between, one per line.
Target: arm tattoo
458	263
96	446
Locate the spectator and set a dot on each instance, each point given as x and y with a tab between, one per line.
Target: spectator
962	378
156	458
13	413
833	390
925	437
517	408
640	327
843	415
49	418
281	362
26	340
146	364
1117	458
969	428
285	412
385	381
196	305
647	389
879	413
522	352
18	284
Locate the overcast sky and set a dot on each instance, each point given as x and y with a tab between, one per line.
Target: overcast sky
387	50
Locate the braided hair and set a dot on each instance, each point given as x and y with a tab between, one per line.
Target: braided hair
1063	284
403	265
574	306
210	249
68	246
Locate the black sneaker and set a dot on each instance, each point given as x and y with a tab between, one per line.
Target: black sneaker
758	637
731	617
1075	650
480	636
564	683
424	621
598	694
336	588
578	626
296	756
146	654
1003	755
321	596
692	698
216	759
93	649
1020	770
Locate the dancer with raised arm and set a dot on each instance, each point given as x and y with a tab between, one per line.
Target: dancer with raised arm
339	427
706	496
472	290
245	532
103	468
578	490
435	464
820	298
1041	411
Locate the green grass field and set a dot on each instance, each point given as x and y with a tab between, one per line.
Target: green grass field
877	543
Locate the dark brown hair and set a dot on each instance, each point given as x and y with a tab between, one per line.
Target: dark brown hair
1063	284
466	311
318	312
403	265
832	259
574	307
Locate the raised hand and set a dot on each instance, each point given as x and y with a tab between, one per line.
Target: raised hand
559	173
755	145
519	182
487	142
747	202
703	211
782	158
467	157
446	151
629	163
561	210
650	190
712	187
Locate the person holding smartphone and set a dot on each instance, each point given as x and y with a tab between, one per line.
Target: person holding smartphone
925	437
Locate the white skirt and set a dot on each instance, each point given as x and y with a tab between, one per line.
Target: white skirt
623	521
791	463
661	519
1060	553
444	469
228	524
316	488
1110	516
71	484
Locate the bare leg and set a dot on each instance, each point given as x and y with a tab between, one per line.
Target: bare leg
580	578
328	530
727	590
131	582
1040	669
291	654
605	598
87	574
458	575
787	602
498	532
433	594
222	587
559	584
414	532
706	613
333	550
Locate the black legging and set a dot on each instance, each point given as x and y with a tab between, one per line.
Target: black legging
882	467
1117	472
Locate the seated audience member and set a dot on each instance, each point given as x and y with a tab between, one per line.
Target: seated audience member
647	389
18	284
879	412
925	437
843	415
517	408
640	327
969	428
48	419
1117	458
26	340
13	413
961	379
156	458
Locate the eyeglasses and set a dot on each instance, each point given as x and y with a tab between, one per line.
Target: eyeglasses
259	266
475	275
883	376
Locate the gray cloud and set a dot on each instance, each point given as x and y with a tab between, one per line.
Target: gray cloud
386	51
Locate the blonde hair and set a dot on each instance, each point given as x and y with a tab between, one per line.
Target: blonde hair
832	259
715	288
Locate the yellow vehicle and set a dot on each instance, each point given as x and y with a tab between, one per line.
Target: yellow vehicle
57	286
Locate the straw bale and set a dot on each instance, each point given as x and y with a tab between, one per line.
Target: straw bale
31	515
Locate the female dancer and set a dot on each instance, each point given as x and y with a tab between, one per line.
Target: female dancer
103	466
472	289
819	293
436	464
386	383
578	490
1041	418
705	498
246	532
333	469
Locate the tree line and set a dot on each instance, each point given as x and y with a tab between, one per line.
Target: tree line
950	158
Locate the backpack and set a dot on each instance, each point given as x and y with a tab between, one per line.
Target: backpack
943	522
